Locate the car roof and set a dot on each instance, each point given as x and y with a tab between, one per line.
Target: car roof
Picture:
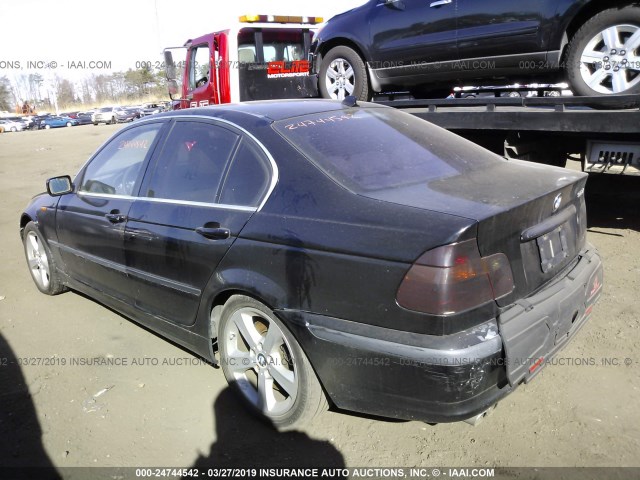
271	110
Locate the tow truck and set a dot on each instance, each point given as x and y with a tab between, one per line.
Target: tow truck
265	57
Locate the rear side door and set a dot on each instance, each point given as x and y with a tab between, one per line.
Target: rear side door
501	28
192	207
90	222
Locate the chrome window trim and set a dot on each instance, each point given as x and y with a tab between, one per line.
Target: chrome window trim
169	200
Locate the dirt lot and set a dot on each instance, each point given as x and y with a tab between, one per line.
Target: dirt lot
582	411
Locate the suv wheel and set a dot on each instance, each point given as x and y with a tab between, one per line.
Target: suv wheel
602	57
343	73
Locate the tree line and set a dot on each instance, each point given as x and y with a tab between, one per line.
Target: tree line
51	92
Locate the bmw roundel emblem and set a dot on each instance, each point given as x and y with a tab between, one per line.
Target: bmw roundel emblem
557	202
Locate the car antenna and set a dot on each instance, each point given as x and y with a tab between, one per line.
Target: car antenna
350	101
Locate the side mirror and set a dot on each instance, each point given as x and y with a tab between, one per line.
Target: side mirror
170	66
57	186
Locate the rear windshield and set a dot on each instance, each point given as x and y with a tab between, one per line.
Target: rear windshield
367	149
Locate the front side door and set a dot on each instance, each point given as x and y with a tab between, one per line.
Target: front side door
90	222
409	36
183	223
200	83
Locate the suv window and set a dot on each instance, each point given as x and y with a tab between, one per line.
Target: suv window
116	168
248	177
192	162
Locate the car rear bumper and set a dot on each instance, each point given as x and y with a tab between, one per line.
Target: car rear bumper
396	374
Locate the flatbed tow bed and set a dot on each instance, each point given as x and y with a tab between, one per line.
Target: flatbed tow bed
603	131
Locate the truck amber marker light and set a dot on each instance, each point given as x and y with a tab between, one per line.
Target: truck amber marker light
280	19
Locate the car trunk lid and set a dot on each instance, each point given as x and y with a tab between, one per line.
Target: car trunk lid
534	214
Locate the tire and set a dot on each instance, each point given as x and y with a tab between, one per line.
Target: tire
47	127
14	129
343	73
40	261
69	124
95	124
265	365
598	56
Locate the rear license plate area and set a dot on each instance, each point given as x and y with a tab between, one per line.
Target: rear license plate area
553	248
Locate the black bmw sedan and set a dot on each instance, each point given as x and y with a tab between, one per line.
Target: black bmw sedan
325	252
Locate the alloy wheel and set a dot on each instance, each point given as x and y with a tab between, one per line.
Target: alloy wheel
609	63
260	359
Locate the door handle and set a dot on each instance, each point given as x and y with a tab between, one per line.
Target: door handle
440	3
115	217
218	233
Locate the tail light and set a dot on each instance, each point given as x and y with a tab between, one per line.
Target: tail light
454	278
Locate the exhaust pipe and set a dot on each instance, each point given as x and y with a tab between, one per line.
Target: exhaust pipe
474	421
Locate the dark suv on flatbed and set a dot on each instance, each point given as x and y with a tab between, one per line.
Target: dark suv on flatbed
386	45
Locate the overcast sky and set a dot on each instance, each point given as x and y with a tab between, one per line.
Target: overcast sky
122	32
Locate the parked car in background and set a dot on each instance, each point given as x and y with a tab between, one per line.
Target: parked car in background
57	121
152	109
124	115
107	115
417	45
24	121
70	114
37	120
327	249
11	125
28	121
84	118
